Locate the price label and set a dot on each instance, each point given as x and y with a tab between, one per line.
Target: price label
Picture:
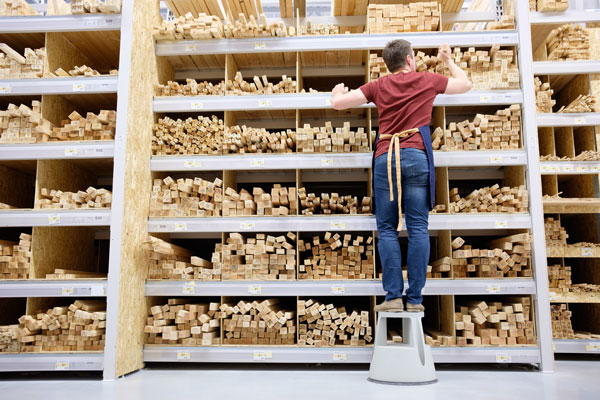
5	89
587	252
567	168
501	224
579	120
61	365
327	102
553	346
595	169
192	164
326	162
188	289
545	168
254	289
552	296
502	358
556	169
593	347
485	98
260	45
181	227
247	225
582	169
493	289
495	159
339	356
53	219
184	355
197	105
257	163
71	152
337	289
262	355
78	87
264	103
67	291
190	47
338	225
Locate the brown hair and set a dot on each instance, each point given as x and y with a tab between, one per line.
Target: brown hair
395	53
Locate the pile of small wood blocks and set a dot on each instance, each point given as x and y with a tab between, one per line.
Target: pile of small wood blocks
281	201
190	88
506	22
15	258
490	199
179	322
310	29
242	28
95	6
497	323
548	5
561	322
78	327
559	278
582	104
505	257
556	235
325	325
337	257
92	127
543	96
16	8
568	42
13	65
260	86
91	198
60	273
325	139
377	67
84	70
499	131
9	342
186	197
264	322
260	258
201	135
168	261
188	27
332	203
245	139
412	17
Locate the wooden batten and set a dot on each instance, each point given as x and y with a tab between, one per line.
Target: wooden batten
17	188
299	77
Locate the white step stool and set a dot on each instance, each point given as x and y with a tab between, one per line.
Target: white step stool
407	363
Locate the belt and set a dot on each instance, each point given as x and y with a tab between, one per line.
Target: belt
395	146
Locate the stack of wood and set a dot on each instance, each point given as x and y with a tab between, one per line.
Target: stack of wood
168	261
325	325
436	338
95	6
556	235
561	322
506	22
260	86
559	278
188	27
260	258
201	135
186	197
60	273
245	139
13	65
84	70
337	257
4	206
9	342
78	327
21	124
532	5
504	257
377	67
549	5
15	258
90	127
584	288
325	139
506	323
543	96
310	29
582	104
16	8
179	322
490	199
332	203
568	42
412	17
190	88
281	201
265	322
91	198
438	269
499	131
244	28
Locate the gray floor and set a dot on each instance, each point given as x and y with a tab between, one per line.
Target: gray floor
572	380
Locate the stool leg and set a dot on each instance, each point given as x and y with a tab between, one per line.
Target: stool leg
381	333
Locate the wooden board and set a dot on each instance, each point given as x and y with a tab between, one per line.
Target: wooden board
572	206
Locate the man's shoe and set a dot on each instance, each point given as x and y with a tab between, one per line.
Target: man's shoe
394	305
410	307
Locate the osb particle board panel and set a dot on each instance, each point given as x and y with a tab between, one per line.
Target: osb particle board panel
102	47
61	53
63	175
16	188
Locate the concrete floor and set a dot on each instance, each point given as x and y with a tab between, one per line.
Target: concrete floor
573	380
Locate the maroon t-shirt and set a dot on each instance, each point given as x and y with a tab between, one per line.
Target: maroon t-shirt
404	101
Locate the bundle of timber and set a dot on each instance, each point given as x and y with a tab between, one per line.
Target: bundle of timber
499	131
436	338
242	28
412	17
506	22
543	96
263	257
186	197
182	322
504	257
168	261
92	127
586	335
188	27
84	70
556	235
245	139
559	278
585	288
95	6
91	198
310	29
266	322
568	42
78	327
377	67
325	325
60	273
15	258
190	88
201	135
16	8
337	257
325	140
586	155
332	203
9	342
490	199
281	201
548	5
561	322
506	323
582	104
13	65
260	86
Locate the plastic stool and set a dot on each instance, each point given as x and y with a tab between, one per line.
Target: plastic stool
407	363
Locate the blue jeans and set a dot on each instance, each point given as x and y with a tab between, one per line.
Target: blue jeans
415	201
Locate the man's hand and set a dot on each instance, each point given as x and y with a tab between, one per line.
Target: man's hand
339	89
444	52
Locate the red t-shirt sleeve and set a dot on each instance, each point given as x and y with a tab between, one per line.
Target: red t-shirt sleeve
369	89
439	83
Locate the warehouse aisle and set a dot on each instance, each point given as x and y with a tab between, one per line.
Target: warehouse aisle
574	380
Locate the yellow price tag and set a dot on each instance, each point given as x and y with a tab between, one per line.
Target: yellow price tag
485	98
552	296
338	225
337	289
67	291
70	152
495	159
264	103
326	162
181	227
61	365
257	163
493	289
190	47
255	289
260	45
185	289
582	169
501	224
53	219
192	164
587	252
592	347
184	355
5	89
78	87
502	358
579	120
567	168
246	225
339	356
262	355
197	105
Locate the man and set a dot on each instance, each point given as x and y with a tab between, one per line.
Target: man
403	162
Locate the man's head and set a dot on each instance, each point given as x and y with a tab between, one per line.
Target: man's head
398	54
